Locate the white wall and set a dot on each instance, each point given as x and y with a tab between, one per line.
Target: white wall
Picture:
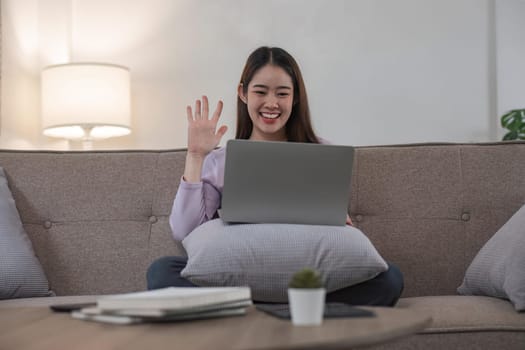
19	100
377	71
510	25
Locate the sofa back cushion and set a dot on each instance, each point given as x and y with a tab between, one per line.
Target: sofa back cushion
430	208
98	219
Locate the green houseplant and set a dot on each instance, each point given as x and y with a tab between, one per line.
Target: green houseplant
306	278
514	122
306	296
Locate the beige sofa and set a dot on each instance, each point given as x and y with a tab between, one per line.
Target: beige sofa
98	219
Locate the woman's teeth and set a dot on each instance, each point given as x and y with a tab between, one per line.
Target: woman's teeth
270	115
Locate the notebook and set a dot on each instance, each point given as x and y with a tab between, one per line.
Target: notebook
175	298
168	305
286	182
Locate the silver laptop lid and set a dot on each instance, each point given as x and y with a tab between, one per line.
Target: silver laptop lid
286	182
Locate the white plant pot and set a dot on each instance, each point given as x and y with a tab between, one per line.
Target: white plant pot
306	306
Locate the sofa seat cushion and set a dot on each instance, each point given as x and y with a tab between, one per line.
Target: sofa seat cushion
47	301
466	313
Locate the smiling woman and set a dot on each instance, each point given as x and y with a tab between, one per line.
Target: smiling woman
272	87
272	106
269	100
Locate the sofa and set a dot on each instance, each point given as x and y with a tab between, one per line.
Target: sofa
97	219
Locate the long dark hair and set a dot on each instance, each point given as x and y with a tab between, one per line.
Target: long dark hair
299	127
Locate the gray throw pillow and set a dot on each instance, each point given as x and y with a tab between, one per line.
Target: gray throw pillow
498	270
21	275
265	256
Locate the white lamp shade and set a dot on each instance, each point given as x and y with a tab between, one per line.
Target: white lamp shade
80	97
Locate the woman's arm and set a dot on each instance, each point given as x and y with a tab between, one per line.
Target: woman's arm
198	197
196	202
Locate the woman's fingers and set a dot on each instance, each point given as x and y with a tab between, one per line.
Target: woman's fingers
202	110
198	114
189	114
222	130
205	107
218	111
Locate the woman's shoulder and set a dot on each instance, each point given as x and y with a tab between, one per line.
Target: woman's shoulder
323	141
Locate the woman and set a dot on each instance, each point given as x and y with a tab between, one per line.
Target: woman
272	105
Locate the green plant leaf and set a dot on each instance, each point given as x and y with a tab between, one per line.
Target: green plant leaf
512	135
521	133
514	121
508	118
306	278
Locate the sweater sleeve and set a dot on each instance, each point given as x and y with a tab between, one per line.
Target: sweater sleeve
196	203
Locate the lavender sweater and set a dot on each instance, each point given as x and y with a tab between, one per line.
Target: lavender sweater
196	203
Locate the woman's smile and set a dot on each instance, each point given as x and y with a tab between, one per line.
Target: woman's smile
269	118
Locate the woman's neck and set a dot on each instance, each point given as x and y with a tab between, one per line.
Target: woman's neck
270	137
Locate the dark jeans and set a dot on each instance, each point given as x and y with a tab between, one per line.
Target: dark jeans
383	290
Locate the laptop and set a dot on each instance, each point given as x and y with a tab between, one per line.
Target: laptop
286	182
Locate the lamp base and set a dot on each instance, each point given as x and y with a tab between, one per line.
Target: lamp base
87	145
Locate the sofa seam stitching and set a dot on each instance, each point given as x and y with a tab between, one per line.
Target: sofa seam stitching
462	199
153	199
357	204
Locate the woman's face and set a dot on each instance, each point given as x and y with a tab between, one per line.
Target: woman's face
269	99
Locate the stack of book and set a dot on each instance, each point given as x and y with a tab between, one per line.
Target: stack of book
168	304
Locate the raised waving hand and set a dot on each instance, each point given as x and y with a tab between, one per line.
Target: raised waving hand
203	136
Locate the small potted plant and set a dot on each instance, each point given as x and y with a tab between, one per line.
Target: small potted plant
514	122
306	296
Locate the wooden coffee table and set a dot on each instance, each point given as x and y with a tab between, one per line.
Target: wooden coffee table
40	328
